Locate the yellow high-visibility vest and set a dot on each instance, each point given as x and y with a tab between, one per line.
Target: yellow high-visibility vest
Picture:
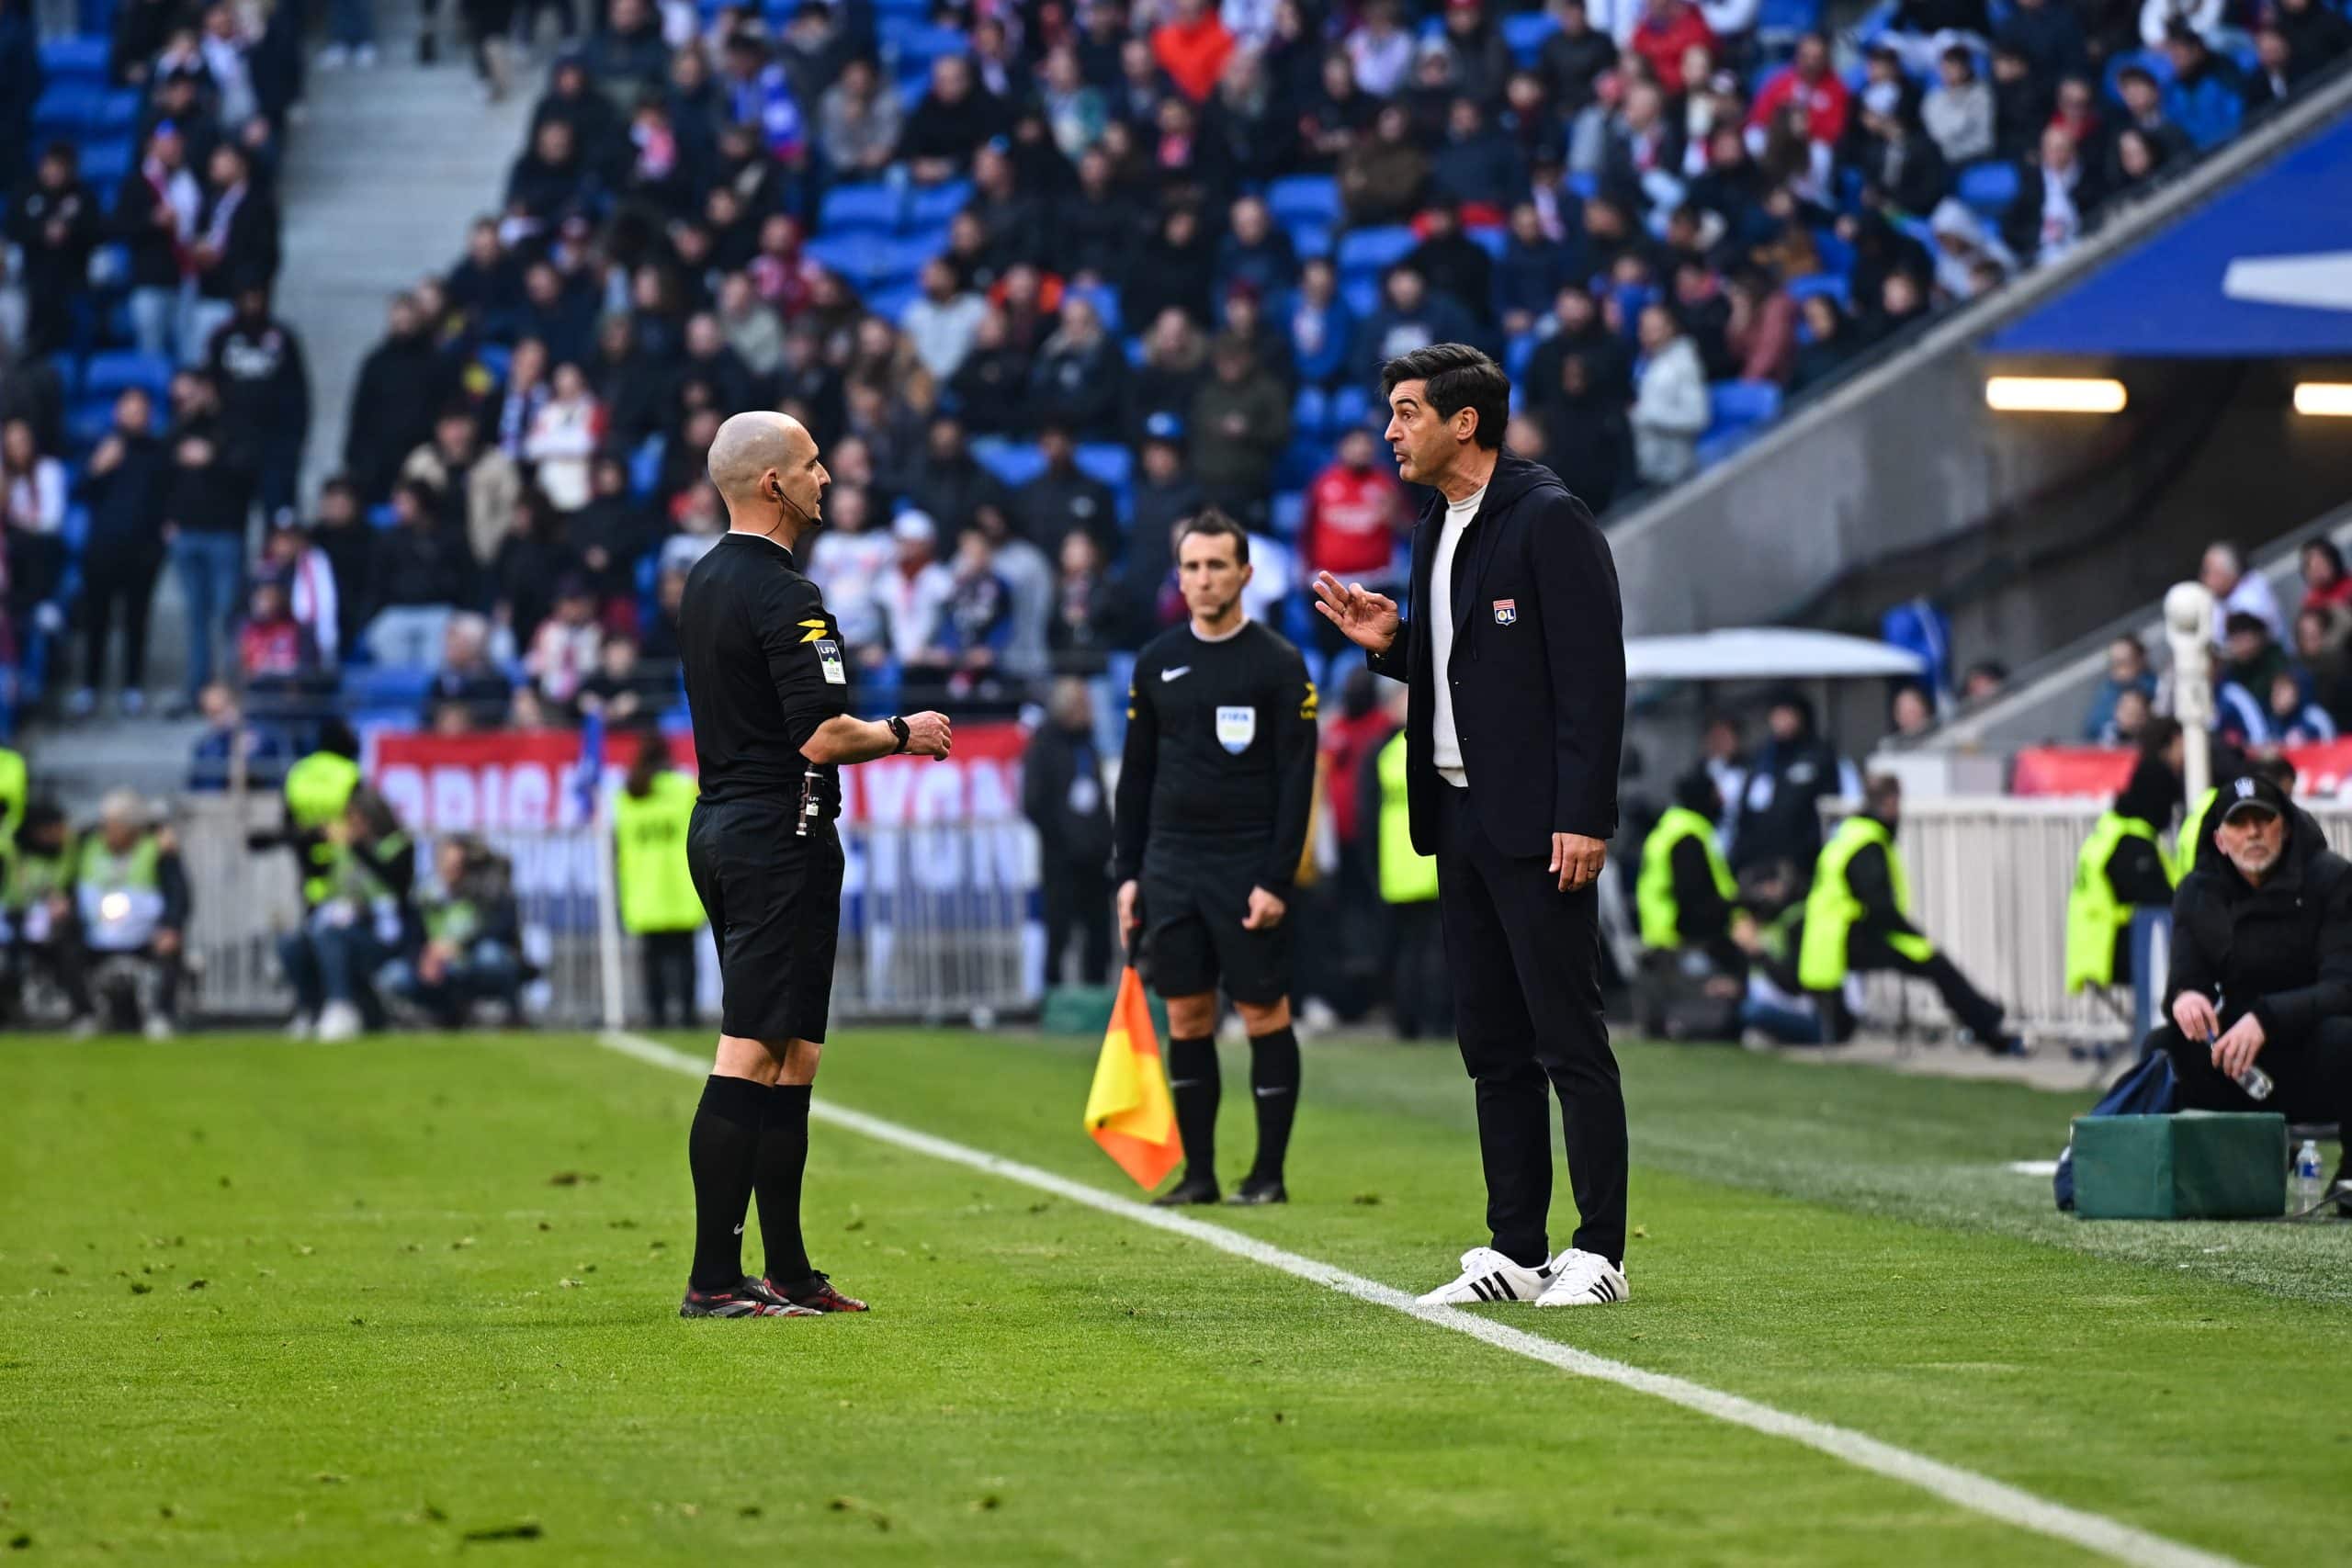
2094	916
1653	889
657	891
1405	875
1831	908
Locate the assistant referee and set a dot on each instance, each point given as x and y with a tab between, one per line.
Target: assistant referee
767	681
1215	793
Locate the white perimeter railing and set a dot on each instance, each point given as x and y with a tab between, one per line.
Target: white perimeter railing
938	920
1989	879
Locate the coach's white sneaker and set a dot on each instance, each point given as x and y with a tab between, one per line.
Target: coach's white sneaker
338	1021
1488	1276
1583	1279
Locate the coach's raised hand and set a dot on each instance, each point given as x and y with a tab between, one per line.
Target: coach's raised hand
1367	619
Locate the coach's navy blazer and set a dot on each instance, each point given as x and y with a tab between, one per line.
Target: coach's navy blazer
1538	665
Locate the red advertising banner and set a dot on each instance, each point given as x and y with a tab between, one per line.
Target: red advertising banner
2322	769
526	779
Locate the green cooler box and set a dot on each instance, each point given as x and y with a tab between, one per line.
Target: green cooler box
2195	1166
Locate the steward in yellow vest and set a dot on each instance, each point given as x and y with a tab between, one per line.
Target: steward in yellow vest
659	904
13	785
1685	894
42	929
1420	990
2121	869
1858	920
317	789
131	898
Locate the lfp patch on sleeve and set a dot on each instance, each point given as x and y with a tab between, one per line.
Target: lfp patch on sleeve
1506	612
829	660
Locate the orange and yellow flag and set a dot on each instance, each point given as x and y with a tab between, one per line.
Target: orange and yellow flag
1129	1111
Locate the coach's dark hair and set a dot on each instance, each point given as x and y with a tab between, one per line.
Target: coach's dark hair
1217	525
1459	378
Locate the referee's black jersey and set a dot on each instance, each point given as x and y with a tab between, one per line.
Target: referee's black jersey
764	667
1220	754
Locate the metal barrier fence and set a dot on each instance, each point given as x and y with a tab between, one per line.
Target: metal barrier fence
1989	879
937	920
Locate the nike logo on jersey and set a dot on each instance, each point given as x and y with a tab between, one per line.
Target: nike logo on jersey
1269	1093
1171	674
738	1230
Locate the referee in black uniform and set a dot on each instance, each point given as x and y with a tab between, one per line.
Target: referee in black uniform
767	681
1213	798
1515	660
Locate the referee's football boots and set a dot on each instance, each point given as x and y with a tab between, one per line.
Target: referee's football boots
1194	1189
1256	1190
815	1294
750	1299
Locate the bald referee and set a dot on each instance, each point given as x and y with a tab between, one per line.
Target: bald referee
768	679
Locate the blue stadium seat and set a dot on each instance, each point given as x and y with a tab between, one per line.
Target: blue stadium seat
1288	513
117	110
1516	354
1713	448
933	206
387	686
2154	62
1312	413
1833	284
901	260
1780	21
1490	241
1300	461
497	359
926	43
87	420
1738	405
1525	32
1135	351
890	301
1105	301
869	208
645	466
856	257
1350	406
1013	463
1304	199
1360	295
106	162
1990	188
107	373
1309	240
67	109
1108	461
1364	251
71	58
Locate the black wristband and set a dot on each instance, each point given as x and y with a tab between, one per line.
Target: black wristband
898	728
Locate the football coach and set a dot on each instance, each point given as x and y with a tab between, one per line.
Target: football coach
767	681
1515	661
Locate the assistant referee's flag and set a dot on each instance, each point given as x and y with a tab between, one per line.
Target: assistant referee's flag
1129	1111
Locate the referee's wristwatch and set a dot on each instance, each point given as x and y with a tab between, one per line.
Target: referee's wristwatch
899	728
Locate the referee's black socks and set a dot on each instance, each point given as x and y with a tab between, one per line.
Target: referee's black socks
1273	1090
721	1151
1193	1081
783	1156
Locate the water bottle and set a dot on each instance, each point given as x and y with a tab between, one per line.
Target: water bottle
2309	1184
2256	1082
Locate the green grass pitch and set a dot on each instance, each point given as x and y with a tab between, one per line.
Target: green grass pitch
413	1299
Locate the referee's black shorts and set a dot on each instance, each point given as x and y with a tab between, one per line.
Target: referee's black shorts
1192	936
774	902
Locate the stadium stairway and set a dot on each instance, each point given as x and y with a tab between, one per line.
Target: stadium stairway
390	166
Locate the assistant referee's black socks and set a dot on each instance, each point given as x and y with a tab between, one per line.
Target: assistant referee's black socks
721	1151
784	1156
1274	1090
1193	1081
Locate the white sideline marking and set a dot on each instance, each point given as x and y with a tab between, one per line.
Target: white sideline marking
2033	1167
1978	1493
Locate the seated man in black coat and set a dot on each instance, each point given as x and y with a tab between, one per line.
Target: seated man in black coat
2261	969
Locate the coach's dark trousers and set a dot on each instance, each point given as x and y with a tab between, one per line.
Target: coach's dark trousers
1526	963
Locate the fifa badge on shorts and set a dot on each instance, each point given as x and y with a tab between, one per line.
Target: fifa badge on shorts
1236	728
1506	612
829	660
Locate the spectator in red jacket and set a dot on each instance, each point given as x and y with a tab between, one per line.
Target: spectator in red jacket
1193	47
1355	512
1811	81
1665	35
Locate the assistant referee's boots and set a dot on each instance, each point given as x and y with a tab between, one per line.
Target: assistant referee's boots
1255	1189
1195	1189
